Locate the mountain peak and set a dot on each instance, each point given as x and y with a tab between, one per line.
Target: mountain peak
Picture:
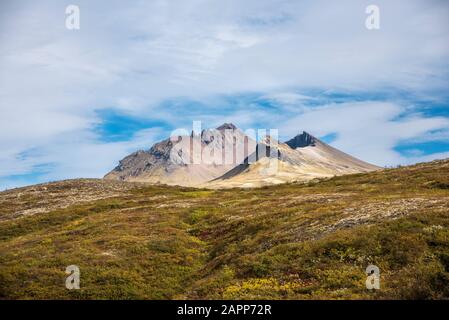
161	150
227	126
302	140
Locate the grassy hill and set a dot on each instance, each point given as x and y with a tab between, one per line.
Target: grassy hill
291	241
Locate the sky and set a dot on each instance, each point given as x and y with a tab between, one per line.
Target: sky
74	102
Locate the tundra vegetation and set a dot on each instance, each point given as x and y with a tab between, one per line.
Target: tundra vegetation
292	241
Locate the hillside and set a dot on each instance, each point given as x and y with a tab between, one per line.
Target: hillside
291	241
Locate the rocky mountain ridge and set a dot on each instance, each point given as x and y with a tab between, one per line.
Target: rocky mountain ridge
226	157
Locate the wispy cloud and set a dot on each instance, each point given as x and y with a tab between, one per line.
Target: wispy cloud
369	130
139	58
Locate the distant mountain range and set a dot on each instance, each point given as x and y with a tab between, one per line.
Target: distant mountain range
225	157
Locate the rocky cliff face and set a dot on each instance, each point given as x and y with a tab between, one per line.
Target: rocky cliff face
301	141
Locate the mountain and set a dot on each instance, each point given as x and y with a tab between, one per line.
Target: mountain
226	157
290	241
187	160
302	158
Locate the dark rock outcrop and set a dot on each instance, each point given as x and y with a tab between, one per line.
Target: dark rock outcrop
302	140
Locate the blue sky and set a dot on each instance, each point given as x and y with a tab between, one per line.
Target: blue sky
73	103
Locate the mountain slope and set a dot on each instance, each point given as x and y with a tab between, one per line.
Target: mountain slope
225	157
290	241
186	160
302	158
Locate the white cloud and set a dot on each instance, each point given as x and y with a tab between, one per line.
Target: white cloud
132	56
84	157
368	130
74	155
